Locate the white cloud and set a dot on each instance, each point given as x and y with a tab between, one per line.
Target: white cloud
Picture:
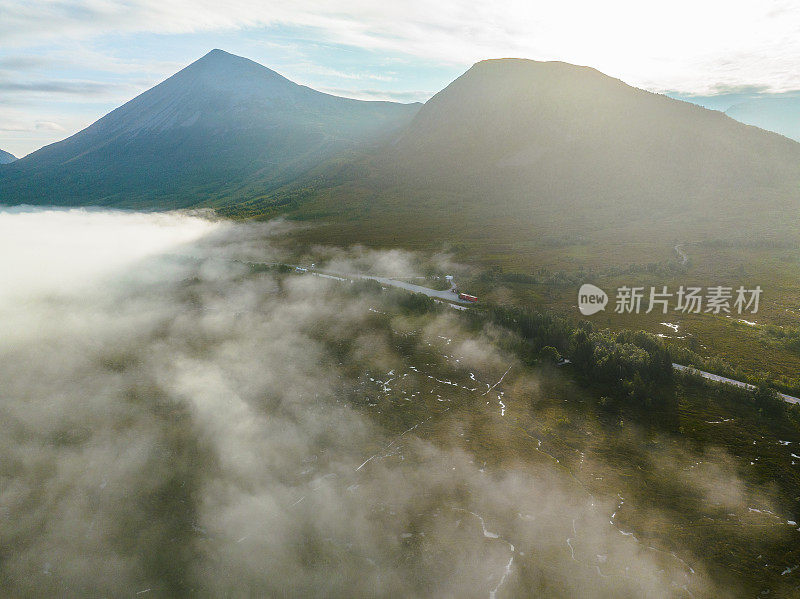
48	126
683	45
182	425
56	250
379	94
686	47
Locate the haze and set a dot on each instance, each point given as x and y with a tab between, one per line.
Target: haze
182	427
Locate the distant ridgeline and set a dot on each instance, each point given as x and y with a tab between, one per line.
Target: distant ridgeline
510	149
6	157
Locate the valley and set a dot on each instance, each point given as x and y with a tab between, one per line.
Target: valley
238	360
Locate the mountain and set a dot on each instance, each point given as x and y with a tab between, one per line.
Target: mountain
223	127
781	115
6	157
510	153
554	130
515	149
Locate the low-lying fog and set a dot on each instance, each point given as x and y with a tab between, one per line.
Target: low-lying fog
172	424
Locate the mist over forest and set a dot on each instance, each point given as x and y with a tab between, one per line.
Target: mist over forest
450	300
178	422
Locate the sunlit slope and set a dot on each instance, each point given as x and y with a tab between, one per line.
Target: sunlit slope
515	148
218	129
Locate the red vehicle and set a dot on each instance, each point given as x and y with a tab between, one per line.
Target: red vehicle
466	297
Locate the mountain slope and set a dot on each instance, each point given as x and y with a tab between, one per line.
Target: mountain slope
515	149
220	124
538	128
6	157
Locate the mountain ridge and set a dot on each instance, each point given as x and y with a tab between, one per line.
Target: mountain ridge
510	147
514	149
570	118
200	134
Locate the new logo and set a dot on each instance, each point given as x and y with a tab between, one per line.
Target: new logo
591	299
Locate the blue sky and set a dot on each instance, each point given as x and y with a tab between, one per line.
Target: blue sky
64	64
53	92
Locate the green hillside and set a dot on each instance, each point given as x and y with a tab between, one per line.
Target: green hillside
515	153
217	130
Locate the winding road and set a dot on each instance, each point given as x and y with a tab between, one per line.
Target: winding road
726	380
448	295
452	297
